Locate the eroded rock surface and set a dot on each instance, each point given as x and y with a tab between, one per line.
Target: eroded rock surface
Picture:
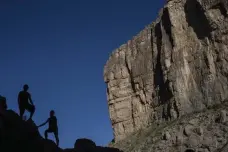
204	131
175	66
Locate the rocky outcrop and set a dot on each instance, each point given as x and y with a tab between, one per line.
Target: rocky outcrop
87	145
204	131
18	135
175	66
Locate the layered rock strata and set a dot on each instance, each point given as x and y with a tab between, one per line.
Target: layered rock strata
175	66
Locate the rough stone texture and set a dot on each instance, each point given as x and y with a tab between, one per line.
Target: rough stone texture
175	66
205	133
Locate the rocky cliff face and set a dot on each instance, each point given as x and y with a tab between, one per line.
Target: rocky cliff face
204	131
175	66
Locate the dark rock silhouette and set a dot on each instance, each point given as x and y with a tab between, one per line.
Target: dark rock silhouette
87	145
84	145
19	135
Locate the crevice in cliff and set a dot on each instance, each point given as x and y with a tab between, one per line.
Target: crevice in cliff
166	23
133	88
196	19
107	90
130	74
164	92
166	113
176	108
132	115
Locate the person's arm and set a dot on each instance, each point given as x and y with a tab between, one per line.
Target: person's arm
30	99
44	123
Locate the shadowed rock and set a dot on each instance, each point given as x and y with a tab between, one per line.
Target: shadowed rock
18	135
87	145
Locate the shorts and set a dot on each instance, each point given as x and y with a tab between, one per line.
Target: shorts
54	130
27	106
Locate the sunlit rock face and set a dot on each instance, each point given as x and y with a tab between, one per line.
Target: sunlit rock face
175	66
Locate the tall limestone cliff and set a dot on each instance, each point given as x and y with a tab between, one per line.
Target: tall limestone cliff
175	66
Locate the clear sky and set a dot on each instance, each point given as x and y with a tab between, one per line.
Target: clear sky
59	48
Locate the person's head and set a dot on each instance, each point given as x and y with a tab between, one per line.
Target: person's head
25	87
52	113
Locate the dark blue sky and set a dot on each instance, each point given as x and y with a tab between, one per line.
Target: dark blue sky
59	48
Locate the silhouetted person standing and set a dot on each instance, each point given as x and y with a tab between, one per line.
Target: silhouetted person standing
53	126
24	98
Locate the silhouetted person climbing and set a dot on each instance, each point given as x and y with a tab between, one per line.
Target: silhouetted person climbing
23	101
53	126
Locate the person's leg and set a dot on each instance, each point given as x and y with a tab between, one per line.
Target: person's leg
22	110
56	137
31	109
46	133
